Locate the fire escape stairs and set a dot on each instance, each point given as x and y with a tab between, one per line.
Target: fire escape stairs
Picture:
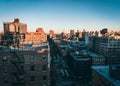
16	61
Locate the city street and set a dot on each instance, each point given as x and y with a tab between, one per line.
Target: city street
63	77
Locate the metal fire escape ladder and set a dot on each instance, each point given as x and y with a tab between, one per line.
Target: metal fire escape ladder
16	61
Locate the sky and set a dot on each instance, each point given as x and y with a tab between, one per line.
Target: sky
62	15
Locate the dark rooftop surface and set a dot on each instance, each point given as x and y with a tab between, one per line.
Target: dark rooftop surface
104	71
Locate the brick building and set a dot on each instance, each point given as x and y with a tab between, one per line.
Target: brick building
80	66
110	48
72	32
36	37
101	77
16	34
28	66
24	56
15	26
107	46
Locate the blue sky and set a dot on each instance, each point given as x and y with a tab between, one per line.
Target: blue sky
62	15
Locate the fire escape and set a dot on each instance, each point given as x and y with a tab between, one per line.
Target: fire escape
18	70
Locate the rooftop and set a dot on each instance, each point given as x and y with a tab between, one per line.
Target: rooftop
80	56
104	71
27	47
94	55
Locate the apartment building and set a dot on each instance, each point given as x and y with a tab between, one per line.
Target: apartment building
24	56
28	66
101	77
16	34
110	48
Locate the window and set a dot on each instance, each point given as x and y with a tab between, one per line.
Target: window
44	67
32	58
32	68
4	59
14	79
32	78
14	69
43	57
5	80
5	69
21	58
44	85
22	68
21	77
44	77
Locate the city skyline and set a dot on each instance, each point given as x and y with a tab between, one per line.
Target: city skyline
62	15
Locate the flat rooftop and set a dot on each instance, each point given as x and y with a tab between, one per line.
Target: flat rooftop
27	47
94	55
80	56
104	71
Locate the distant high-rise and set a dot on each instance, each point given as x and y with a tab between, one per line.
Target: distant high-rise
83	34
51	33
72	32
78	34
